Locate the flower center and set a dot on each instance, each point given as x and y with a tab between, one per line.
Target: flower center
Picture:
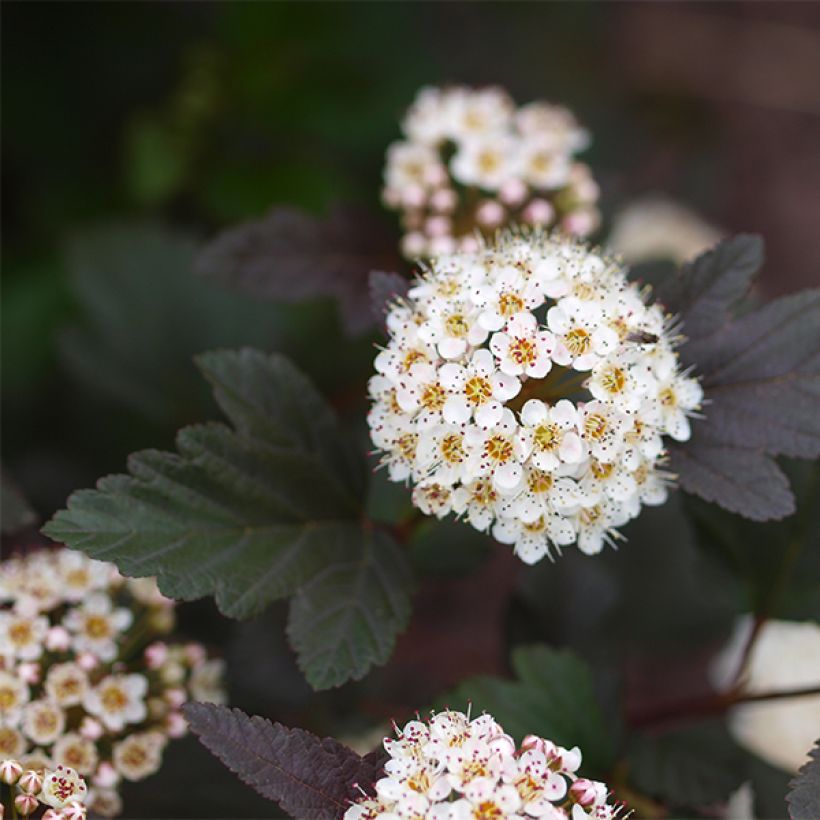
509	304
457	325
547	437
498	449
667	397
478	390
97	627
487	811
522	351
536	526
406	446
8	697
452	449
578	341
595	426
21	633
411	357
434	396
539	481
589	515
613	380
114	699
600	470
483	493
489	161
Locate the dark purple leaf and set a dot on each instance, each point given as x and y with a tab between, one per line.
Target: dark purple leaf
804	791
705	290
308	776
291	256
384	289
742	481
761	378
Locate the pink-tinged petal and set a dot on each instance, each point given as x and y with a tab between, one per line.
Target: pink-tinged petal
489	414
540	368
510	367
571	449
534	412
452	376
508	476
544	460
500	344
451	348
505	387
491	320
522	325
482	363
604	340
560	354
558	321
456	410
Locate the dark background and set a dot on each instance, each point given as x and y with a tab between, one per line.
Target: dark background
199	115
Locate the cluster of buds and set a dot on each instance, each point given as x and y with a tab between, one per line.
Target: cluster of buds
471	162
60	791
527	387
86	684
455	768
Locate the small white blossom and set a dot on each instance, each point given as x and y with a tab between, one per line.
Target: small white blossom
62	787
96	625
118	700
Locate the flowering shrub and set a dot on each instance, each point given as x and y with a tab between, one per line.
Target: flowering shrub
527	386
454	767
87	686
473	162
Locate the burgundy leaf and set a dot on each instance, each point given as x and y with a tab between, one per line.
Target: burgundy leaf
761	379
308	776
804	791
290	256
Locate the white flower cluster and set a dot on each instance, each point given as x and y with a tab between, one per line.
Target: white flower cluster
470	162
455	768
82	686
526	387
62	789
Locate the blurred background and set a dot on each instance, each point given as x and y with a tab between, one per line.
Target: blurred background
193	116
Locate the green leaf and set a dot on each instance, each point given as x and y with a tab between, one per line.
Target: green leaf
553	698
351	611
252	514
689	767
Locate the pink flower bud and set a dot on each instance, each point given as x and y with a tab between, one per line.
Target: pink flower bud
10	771
175	725
413	197
91	729
435	175
513	192
444	200
538	212
74	811
53	814
469	244
87	661
581	222
582	792
58	639
30	782
442	244
26	804
106	776
535	743
391	197
413	244
29	672
490	213
195	653
156	654
176	697
438	226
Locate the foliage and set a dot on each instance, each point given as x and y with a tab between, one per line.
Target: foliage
804	790
307	776
268	509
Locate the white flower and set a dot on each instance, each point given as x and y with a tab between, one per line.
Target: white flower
486	163
22	635
455	768
118	700
139	755
43	721
76	752
66	684
14	695
207	682
12	743
80	574
545	435
97	625
62	787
